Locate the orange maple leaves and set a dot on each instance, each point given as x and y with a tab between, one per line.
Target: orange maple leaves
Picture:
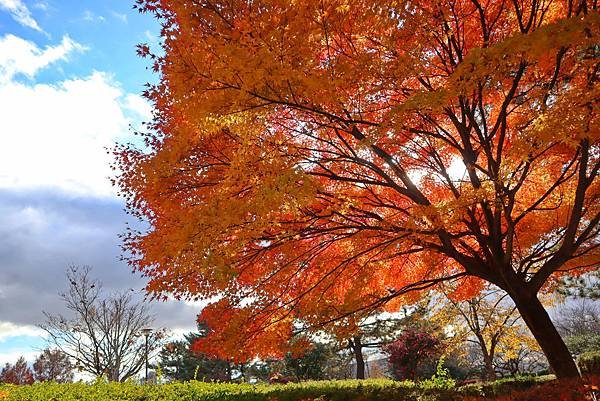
311	161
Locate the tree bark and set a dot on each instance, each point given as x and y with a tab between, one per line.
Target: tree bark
356	346
537	319
490	372
229	372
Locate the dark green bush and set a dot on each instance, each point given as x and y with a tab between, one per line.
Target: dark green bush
589	363
503	386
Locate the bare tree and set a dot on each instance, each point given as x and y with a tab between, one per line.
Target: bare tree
104	334
578	322
578	318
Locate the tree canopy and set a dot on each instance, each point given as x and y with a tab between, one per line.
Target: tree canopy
19	373
53	365
312	161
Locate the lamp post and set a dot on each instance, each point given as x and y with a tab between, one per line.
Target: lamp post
146	333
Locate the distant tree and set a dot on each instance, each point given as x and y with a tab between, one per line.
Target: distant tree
53	365
376	332
578	318
413	355
579	324
339	366
582	343
523	359
180	362
491	321
586	286
313	360
104	334
19	373
319	360
379	329
311	365
356	345
268	370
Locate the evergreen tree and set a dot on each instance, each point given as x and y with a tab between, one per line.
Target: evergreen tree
179	362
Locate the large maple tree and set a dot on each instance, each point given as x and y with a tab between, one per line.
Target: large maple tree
312	161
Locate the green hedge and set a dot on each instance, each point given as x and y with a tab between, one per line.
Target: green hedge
347	390
503	386
589	363
342	390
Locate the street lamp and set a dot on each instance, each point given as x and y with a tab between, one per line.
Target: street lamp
146	332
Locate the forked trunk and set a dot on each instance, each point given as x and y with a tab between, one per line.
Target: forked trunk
537	319
489	373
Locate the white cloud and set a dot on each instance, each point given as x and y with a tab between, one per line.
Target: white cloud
139	105
30	217
91	17
178	333
13	356
41	5
150	36
20	13
154	41
56	135
119	16
16	340
8	329
19	56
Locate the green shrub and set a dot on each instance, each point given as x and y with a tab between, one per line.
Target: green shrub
347	390
579	344
441	380
503	386
436	389
589	363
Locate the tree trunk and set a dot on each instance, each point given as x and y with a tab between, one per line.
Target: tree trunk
356	346
243	373
229	372
490	372
537	319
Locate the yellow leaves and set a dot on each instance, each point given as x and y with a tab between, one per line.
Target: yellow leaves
569	119
543	42
449	212
343	8
515	339
419	101
489	319
496	65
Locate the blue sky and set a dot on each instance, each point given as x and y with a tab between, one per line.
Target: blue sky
70	86
109	30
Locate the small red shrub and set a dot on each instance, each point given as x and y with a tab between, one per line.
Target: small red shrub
586	389
411	353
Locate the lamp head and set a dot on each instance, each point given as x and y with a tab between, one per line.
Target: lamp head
146	331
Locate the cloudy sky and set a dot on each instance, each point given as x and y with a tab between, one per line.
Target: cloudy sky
69	88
